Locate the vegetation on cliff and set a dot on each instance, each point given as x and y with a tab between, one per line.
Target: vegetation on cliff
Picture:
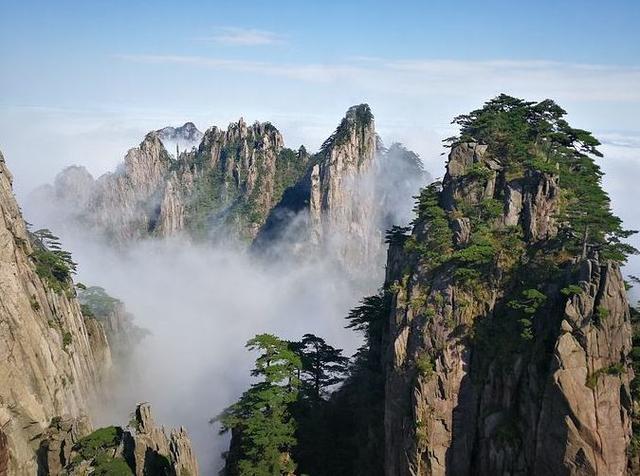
53	264
491	270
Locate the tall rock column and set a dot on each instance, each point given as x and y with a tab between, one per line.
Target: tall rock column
508	354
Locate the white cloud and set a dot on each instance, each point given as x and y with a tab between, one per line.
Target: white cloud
234	36
428	78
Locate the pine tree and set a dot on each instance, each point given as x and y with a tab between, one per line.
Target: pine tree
322	365
263	432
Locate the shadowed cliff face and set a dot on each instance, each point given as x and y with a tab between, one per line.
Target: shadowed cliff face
521	368
332	208
353	190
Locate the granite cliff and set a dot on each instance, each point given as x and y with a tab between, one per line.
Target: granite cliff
52	359
509	336
140	449
501	342
243	184
333	206
56	359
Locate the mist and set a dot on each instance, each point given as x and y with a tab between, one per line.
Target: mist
201	304
201	301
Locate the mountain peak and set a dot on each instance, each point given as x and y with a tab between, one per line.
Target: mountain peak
180	138
357	123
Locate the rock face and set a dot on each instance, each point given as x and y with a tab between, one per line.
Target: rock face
183	138
110	316
218	184
487	376
124	204
143	449
50	365
235	177
150	440
333	206
223	187
244	183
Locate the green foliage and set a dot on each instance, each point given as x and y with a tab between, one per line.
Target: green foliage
537	136
67	338
491	209
86	310
613	369
343	433
53	264
529	302
369	317
478	171
359	116
438	237
481	250
424	365
261	420
527	305
106	465
601	314
95	301
98	448
542	164
571	290
290	166
101	439
323	366
397	235
422	436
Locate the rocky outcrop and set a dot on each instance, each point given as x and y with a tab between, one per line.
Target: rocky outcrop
521	368
124	204
107	319
151	441
183	138
584	423
56	447
332	207
244	183
218	184
50	365
235	177
141	449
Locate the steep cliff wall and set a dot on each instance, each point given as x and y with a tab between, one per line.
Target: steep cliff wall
333	206
223	188
235	177
124	204
509	334
51	361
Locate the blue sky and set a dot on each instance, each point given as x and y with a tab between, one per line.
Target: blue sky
79	54
82	81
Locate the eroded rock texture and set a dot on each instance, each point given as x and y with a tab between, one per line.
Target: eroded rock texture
471	389
333	206
51	362
243	183
141	449
221	183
